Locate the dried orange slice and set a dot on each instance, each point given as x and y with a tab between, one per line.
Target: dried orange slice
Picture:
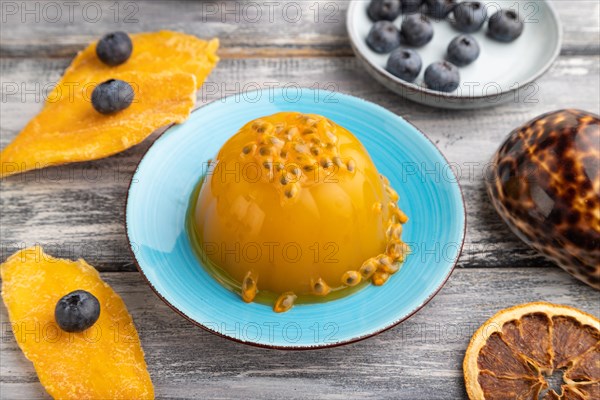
165	70
105	361
515	352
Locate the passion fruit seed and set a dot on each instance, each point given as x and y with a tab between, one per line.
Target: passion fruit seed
379	278
315	151
275	141
394	231
326	162
284	180
284	302
314	139
249	287
338	161
332	137
351	278
310	167
321	288
351	165
301	148
392	193
394	249
387	265
402	218
265	151
261	126
292	191
368	268
377	207
249	148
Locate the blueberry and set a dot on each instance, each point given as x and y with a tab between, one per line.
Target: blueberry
505	26
112	96
469	16
411	6
384	10
442	76
462	50
405	64
440	9
383	37
77	311
114	48
416	30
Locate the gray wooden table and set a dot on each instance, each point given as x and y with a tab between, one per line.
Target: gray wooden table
78	210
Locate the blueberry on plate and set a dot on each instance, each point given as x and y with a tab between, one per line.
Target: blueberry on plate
77	311
112	96
439	9
405	64
383	37
411	6
442	76
416	30
469	16
462	50
384	10
505	26
114	48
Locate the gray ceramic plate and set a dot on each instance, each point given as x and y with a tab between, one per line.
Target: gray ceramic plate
503	72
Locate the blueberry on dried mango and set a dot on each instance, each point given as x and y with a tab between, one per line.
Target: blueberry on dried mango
114	48
77	311
112	96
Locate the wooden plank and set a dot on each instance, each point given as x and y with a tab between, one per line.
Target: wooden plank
246	29
61	211
420	358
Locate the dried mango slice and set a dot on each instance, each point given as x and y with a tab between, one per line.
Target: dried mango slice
105	361
73	131
153	52
165	69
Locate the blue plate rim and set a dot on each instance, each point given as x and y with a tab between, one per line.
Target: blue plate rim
303	347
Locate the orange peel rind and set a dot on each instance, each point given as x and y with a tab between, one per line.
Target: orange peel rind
105	361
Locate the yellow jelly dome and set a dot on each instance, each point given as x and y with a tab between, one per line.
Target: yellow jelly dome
293	207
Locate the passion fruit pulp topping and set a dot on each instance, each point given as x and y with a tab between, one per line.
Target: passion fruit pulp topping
517	352
293	205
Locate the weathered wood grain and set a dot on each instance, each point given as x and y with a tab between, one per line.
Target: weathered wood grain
78	210
246	29
419	359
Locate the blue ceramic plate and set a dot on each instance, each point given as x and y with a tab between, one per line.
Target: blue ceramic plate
161	188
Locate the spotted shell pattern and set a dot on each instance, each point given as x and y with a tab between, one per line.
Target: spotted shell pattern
545	184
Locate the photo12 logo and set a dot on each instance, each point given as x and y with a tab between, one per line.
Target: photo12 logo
278	333
28	12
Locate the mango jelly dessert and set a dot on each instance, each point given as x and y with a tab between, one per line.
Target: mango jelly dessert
106	361
294	206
